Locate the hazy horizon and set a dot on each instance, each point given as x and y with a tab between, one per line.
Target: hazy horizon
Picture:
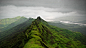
47	9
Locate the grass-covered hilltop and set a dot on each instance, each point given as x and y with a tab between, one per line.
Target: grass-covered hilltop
37	33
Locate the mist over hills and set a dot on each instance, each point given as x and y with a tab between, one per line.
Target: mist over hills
79	19
72	27
11	22
39	34
84	21
7	21
53	24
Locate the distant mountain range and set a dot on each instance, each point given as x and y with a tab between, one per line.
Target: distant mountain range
7	21
11	22
68	22
78	19
77	27
84	21
37	33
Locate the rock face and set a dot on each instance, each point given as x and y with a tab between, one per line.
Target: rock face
39	18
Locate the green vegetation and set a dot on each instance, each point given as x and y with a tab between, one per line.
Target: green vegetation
15	30
5	22
8	23
72	27
42	35
50	38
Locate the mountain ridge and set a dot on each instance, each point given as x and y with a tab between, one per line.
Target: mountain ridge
11	22
41	26
72	27
42	35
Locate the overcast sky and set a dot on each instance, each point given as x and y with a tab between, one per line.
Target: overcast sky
47	9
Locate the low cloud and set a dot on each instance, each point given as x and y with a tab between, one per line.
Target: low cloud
46	13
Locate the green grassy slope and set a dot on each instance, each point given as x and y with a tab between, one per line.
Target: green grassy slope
70	34
19	21
73	27
7	21
17	29
42	35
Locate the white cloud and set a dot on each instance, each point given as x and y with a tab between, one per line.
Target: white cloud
13	11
